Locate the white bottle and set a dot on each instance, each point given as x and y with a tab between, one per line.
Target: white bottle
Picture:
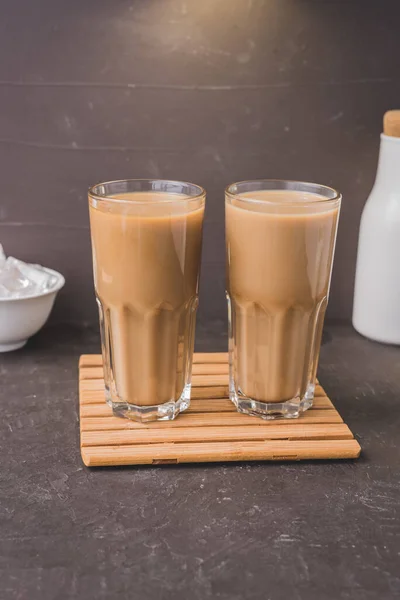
376	311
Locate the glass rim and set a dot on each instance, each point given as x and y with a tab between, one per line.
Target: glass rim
322	200
201	192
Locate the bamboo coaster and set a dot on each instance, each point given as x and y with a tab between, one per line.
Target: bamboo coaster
210	430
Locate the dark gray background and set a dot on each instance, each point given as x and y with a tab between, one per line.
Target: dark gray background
206	91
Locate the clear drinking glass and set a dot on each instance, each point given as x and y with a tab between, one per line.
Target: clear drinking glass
146	242
280	240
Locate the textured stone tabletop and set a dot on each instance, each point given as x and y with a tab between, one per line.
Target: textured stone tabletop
312	531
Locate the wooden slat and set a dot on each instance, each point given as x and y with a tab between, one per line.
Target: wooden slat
210	430
219	451
215	434
210	357
92	422
210	405
210	369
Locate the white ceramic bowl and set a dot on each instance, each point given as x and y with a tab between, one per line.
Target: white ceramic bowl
20	318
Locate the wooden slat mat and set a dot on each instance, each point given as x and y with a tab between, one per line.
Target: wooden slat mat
210	430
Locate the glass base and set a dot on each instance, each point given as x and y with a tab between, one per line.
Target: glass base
290	409
158	412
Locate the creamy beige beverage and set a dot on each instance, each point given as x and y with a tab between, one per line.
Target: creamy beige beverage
146	255
279	250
